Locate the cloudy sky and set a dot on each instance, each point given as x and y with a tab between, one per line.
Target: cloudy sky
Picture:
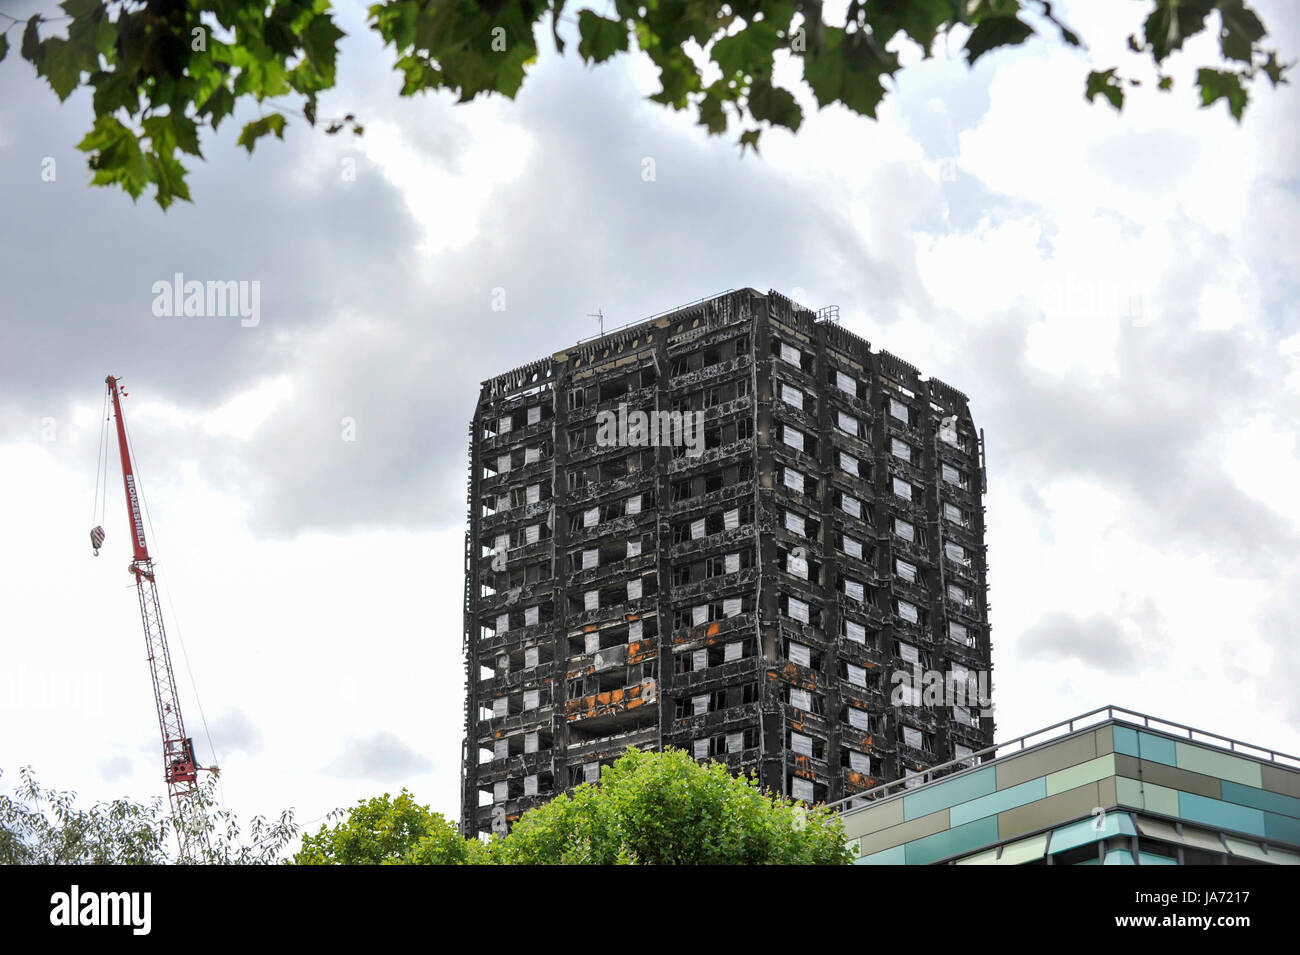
1117	294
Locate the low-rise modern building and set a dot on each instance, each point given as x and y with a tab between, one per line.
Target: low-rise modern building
1110	787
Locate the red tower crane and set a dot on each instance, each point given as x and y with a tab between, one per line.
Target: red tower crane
179	767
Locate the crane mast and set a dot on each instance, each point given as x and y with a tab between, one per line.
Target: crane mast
179	768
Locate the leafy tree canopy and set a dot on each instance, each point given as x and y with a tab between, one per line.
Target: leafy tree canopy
649	808
386	831
40	826
162	71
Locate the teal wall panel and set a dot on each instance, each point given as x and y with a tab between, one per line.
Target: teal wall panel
1225	815
1126	741
1084	831
1159	749
997	802
1142	745
1282	828
941	845
1261	799
1147	858
892	856
949	793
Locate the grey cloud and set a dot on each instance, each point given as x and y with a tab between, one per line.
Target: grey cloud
380	756
113	768
233	732
1151	434
372	332
1279	625
1095	641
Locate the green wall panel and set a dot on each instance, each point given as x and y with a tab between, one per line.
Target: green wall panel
1026	850
949	793
941	845
1076	776
1161	799
997	802
1199	760
987	857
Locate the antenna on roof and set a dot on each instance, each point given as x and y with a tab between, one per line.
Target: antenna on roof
600	315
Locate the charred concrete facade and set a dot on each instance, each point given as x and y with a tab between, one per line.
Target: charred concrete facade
749	603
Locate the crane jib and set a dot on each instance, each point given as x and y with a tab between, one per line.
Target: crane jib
180	770
134	500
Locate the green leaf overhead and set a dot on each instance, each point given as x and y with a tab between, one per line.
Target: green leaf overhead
601	37
742	67
993	32
1105	84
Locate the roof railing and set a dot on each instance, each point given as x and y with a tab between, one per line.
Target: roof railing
1103	714
651	318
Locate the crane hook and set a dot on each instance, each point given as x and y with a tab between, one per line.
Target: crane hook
97	539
